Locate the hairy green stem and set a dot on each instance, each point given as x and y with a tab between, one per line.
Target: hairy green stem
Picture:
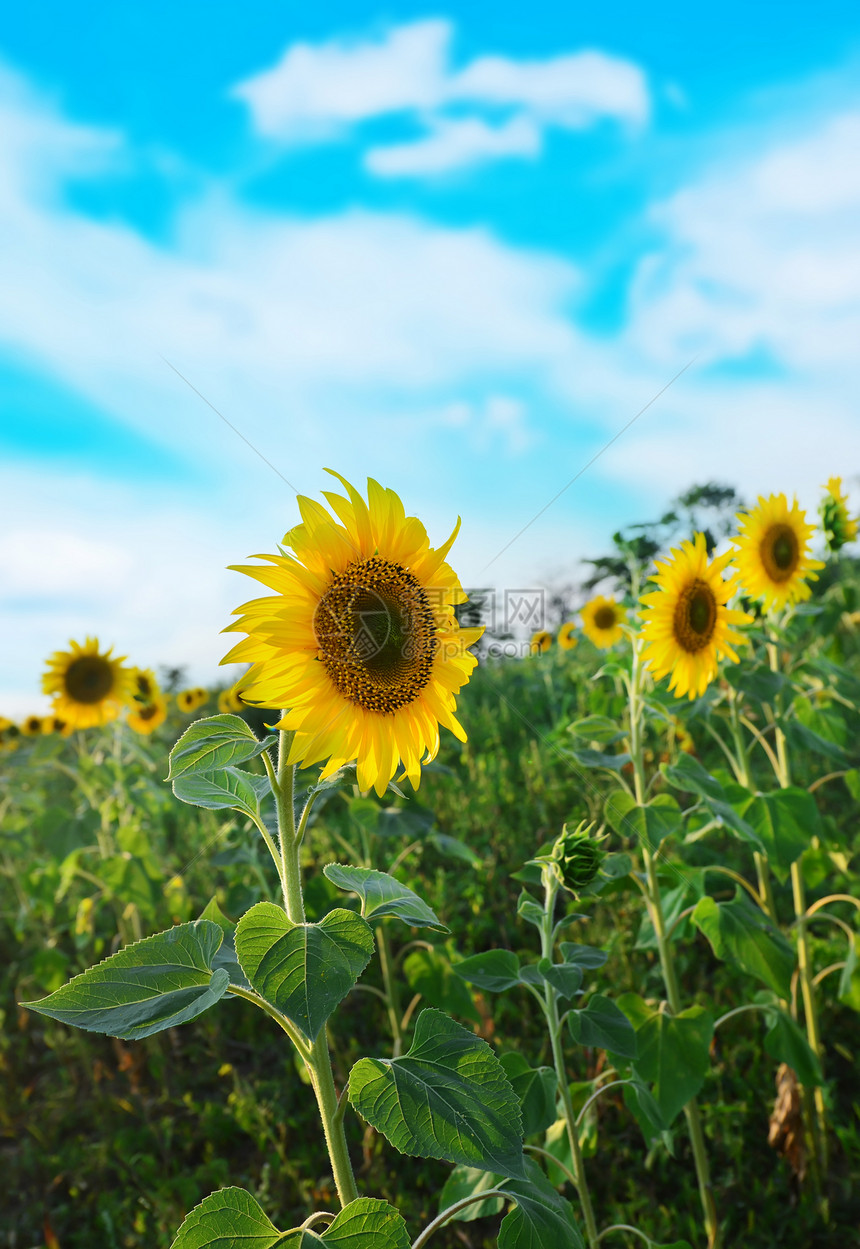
550	1008
813	1101
744	775
664	945
317	1059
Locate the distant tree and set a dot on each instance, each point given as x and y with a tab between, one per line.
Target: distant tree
709	509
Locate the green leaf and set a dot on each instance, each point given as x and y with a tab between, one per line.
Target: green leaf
542	1218
225	955
431	973
603	1025
214	743
849	980
448	1097
366	1223
565	978
217	791
156	983
785	820
494	971
537	1089
739	932
585	956
647	1114
228	1219
452	848
529	910
597	759
304	970
689	776
673	1056
602	729
807	740
785	1042
650	823
468	1182
382	895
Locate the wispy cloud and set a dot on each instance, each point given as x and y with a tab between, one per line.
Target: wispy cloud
320	92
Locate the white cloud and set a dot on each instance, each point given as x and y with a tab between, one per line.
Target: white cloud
318	92
574	91
342	81
455	144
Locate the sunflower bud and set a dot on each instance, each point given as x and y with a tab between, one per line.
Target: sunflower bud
577	857
839	527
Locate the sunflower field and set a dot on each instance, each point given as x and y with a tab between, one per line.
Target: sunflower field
403	939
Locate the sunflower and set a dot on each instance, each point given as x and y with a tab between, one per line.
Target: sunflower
839	528
360	643
190	700
146	718
686	625
144	686
229	701
31	726
567	638
88	687
55	724
10	734
602	619
771	552
540	642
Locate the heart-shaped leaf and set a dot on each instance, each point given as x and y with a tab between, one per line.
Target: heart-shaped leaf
228	1219
214	743
156	983
231	788
565	978
382	895
448	1097
674	1056
304	970
602	1024
494	971
542	1218
739	932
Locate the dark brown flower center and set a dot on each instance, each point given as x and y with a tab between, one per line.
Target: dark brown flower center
604	617
89	679
146	713
780	552
376	634
695	617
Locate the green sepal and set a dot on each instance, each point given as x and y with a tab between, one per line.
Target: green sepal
447	1097
304	970
156	983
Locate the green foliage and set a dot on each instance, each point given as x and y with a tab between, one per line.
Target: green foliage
738	930
156	983
673	1056
212	744
447	1097
304	970
381	895
603	1025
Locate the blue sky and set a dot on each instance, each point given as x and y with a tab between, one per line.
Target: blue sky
438	245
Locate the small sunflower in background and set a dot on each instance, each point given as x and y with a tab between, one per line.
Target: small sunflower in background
31	726
145	718
567	638
771	553
88	686
10	734
602	619
359	644
55	724
144	686
190	700
839	527
686	626
229	701
540	642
